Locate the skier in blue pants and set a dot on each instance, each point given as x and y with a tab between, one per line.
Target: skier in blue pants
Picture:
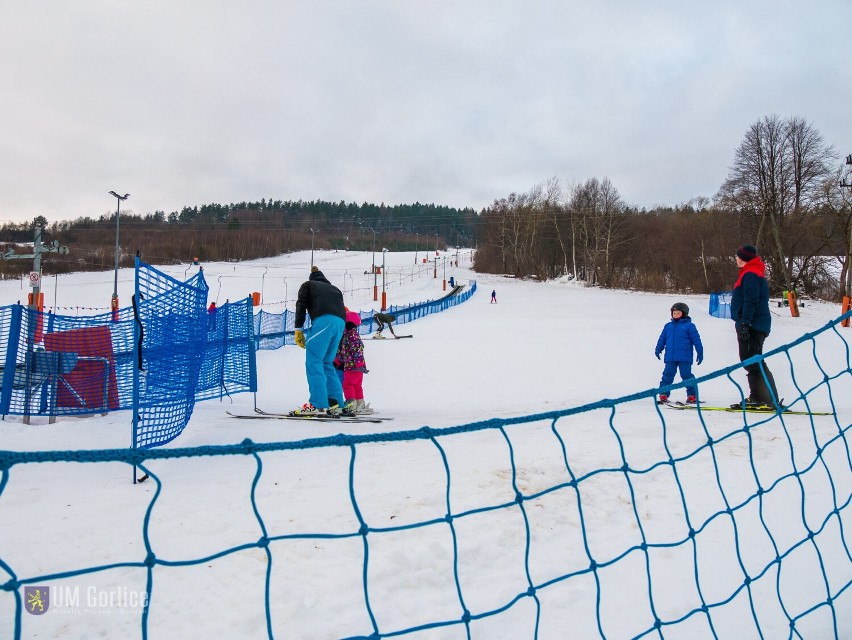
324	302
678	338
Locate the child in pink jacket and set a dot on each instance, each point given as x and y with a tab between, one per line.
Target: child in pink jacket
350	356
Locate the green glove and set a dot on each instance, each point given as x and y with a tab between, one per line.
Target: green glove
299	337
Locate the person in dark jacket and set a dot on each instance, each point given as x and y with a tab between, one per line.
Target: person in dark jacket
324	303
753	321
678	338
383	319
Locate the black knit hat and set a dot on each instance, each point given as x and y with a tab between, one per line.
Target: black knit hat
746	253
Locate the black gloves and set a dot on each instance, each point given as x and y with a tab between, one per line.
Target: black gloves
745	332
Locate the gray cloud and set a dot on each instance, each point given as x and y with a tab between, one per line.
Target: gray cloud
453	102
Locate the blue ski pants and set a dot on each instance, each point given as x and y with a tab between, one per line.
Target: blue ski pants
685	374
320	349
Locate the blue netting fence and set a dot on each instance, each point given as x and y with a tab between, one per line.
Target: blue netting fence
617	519
58	365
274	330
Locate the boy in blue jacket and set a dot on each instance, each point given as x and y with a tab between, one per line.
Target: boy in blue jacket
677	339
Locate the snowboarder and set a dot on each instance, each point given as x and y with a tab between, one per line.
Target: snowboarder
678	338
383	319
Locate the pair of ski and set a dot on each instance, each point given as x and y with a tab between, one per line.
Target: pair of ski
788	412
265	415
396	337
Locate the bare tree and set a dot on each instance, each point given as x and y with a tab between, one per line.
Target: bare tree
777	178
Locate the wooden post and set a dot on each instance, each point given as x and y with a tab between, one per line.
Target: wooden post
794	307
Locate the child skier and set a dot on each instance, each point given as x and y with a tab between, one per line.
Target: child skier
350	356
677	339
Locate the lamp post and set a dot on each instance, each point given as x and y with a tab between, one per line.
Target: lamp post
285	294
262	281
847	299
312	246
416	247
114	302
384	273
375	285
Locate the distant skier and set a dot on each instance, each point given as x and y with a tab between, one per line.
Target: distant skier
678	338
383	319
493	296
211	317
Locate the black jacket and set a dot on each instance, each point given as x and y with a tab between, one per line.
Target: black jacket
318	297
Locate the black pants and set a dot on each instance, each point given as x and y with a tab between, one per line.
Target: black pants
760	389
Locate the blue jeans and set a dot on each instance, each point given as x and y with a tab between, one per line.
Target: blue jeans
320	350
685	374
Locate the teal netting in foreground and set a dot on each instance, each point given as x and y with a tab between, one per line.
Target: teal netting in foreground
618	519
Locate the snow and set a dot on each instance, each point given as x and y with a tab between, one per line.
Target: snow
544	347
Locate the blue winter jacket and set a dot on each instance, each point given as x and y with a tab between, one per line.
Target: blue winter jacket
678	338
750	303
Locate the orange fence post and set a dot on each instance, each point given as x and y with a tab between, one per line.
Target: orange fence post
847	305
794	307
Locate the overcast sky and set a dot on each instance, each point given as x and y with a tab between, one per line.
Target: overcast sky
454	102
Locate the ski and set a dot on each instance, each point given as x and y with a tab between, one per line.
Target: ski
397	337
358	416
786	412
257	416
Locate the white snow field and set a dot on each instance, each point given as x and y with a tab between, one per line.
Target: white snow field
627	520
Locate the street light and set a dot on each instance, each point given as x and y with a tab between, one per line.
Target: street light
312	246
114	302
375	285
416	247
285	294
384	273
847	299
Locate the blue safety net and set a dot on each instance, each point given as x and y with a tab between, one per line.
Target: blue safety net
601	521
274	330
171	342
58	365
229	364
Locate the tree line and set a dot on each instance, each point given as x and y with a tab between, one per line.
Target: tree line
240	231
784	193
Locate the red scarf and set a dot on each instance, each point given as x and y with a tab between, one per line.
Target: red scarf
755	266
